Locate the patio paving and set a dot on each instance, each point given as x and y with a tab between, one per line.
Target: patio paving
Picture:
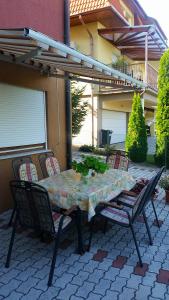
109	271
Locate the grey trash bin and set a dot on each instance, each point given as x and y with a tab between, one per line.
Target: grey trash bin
105	137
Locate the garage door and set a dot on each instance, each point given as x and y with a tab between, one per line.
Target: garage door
115	121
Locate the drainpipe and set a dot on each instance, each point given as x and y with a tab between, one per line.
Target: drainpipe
68	102
92	55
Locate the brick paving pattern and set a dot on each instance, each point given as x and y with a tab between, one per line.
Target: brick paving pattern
108	272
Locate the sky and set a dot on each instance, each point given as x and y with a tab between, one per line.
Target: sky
158	9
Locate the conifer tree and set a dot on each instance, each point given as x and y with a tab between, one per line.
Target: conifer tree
162	113
136	140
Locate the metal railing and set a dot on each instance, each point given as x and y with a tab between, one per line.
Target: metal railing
137	71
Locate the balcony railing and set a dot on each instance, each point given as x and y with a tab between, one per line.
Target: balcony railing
137	71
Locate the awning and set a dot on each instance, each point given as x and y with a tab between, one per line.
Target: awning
130	40
35	50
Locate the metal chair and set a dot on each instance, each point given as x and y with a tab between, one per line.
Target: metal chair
118	160
126	218
23	169
129	199
49	164
33	211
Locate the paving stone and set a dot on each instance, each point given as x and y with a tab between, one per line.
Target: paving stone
118	284
85	289
149	279
101	288
75	268
14	296
76	298
154	267
159	290
119	262
81	277
63	281
91	266
27	285
26	274
105	265
33	294
126	271
110	295
96	276
6	289
12	273
51	293
127	294
93	296
100	255
143	292
111	273
163	276
141	270
134	281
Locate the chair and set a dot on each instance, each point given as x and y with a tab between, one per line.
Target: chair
125	217
23	169
49	164
33	211
129	199
118	160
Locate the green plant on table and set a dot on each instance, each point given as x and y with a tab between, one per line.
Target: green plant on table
90	163
164	182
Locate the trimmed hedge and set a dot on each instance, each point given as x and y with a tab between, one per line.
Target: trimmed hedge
162	113
136	140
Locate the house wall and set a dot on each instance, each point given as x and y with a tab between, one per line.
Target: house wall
44	16
54	88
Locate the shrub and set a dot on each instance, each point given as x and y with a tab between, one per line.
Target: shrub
86	148
79	109
162	113
136	140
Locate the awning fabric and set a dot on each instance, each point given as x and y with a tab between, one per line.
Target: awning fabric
130	40
33	49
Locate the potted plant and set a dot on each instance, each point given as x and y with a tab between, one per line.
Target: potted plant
89	163
164	183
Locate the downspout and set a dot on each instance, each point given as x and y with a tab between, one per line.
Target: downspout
68	102
92	55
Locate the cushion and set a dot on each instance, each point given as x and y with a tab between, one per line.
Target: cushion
117	161
56	218
52	166
28	172
115	214
128	200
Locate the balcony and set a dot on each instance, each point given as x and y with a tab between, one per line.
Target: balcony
137	71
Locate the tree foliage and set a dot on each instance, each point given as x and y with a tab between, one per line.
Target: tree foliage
162	113
136	141
79	108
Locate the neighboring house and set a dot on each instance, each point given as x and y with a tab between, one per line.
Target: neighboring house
35	110
120	34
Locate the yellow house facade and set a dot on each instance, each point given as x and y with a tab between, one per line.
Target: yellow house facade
97	33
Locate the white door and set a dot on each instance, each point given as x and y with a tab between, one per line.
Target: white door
115	121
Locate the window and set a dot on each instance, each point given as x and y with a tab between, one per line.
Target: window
22	118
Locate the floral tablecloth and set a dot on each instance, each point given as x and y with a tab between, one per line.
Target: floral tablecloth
66	189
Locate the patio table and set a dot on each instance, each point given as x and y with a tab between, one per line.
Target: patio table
66	189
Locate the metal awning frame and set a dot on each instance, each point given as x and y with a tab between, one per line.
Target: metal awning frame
35	50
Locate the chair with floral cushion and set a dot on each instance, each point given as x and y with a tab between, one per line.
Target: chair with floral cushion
33	211
129	198
118	160
49	164
125	217
23	169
